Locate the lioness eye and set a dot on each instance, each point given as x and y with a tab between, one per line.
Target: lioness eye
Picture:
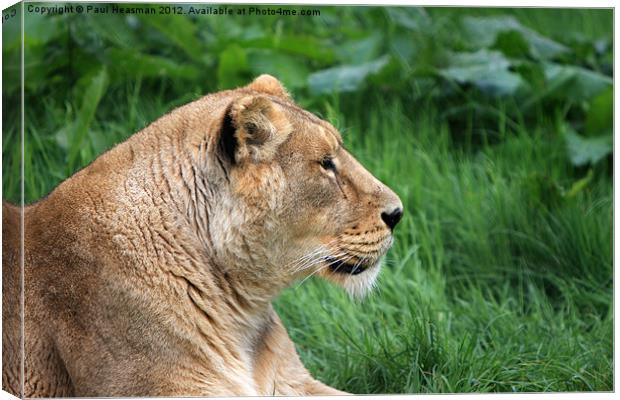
328	164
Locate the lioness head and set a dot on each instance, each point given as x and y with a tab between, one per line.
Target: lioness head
298	203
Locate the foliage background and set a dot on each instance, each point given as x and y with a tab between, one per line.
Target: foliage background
493	125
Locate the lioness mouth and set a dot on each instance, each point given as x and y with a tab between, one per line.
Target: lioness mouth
345	268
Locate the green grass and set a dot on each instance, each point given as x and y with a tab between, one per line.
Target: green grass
493	284
500	278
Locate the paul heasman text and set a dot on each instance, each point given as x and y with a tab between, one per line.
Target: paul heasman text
94	8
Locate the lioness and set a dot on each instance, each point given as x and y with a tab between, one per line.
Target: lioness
151	272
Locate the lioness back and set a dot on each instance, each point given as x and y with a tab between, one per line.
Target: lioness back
11	310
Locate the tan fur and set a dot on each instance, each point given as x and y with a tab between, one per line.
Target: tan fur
151	272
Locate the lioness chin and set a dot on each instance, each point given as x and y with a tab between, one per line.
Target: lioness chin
151	272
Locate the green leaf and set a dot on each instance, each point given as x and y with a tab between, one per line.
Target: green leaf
63	136
582	151
412	18
487	70
122	35
288	69
484	32
542	47
180	30
344	78
390	76
575	83
232	66
40	29
532	73
600	116
99	141
579	185
11	29
360	50
512	44
127	63
87	77
86	114
405	49
307	46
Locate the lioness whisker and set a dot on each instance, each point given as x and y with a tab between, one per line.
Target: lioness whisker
303	259
309	259
309	256
343	261
337	257
316	261
314	251
321	251
323	267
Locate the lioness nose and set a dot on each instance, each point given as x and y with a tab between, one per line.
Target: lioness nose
391	218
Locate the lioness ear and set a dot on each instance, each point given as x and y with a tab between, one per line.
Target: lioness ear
268	84
259	127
